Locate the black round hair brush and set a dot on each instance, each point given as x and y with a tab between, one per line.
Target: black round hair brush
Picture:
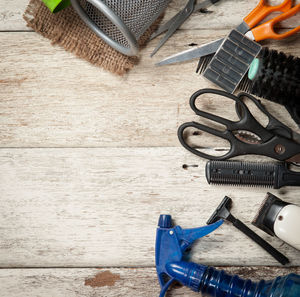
276	77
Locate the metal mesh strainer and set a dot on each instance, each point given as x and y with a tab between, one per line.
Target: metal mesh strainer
120	23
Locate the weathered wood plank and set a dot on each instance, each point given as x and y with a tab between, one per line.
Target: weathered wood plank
226	14
11	13
99	207
106	282
49	98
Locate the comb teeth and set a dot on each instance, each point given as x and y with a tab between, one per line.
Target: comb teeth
241	173
245	85
203	63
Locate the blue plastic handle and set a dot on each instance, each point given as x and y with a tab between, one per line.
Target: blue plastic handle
172	242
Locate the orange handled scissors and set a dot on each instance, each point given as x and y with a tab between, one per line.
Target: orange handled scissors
261	32
262	10
266	30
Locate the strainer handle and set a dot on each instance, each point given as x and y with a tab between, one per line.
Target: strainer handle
132	50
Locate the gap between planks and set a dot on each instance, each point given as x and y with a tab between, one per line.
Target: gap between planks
107	282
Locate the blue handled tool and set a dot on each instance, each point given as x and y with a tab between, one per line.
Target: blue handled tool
172	242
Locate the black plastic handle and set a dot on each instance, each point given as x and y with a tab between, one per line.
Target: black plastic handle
260	241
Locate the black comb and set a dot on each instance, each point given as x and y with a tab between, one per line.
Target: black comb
273	175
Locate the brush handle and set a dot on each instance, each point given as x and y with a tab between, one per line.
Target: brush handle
266	246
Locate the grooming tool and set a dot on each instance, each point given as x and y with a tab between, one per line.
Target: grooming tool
223	213
261	32
279	218
232	61
234	57
275	76
171	244
274	140
120	23
175	22
273	175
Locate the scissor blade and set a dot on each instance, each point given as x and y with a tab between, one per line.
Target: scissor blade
165	26
182	16
193	53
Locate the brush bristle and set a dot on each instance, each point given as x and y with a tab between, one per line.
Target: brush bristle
278	80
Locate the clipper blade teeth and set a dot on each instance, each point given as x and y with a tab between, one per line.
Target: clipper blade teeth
241	173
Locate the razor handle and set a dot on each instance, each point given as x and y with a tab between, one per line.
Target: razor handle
217	283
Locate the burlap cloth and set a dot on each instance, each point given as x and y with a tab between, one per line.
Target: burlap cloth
66	29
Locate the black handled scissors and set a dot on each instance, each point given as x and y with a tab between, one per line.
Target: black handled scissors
276	140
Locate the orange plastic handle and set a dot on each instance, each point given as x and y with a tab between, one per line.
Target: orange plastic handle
266	30
263	9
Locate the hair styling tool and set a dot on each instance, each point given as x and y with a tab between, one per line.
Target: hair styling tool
248	27
273	175
275	76
223	213
120	23
171	244
272	75
232	60
279	218
175	22
274	140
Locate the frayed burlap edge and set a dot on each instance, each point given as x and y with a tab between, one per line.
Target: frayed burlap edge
66	29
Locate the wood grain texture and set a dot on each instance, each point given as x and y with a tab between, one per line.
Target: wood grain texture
128	282
49	98
89	160
99	207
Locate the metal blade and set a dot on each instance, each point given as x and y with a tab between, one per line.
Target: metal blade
165	26
182	17
193	53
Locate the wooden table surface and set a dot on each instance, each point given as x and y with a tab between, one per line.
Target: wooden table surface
89	160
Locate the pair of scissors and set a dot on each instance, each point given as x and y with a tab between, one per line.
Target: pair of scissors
247	27
274	140
175	22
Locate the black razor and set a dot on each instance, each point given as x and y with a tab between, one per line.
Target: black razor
223	212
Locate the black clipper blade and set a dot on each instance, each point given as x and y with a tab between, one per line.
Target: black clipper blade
273	175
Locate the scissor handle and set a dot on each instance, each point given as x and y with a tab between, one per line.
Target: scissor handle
273	124
266	30
222	134
246	119
213	117
263	9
